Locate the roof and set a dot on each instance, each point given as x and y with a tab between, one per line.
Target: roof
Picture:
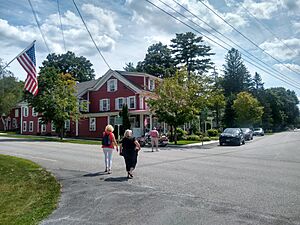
125	73
81	87
94	85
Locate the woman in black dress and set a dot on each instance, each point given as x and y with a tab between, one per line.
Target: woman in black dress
129	149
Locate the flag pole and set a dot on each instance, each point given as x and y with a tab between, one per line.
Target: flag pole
19	54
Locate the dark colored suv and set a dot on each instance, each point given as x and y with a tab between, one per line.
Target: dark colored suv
248	134
233	136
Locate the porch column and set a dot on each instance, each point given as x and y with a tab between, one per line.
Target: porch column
151	125
142	123
76	128
21	120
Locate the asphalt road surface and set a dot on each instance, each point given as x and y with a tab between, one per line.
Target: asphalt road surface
257	183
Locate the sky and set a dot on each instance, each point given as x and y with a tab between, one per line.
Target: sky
124	29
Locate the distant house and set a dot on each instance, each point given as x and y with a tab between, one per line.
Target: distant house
101	101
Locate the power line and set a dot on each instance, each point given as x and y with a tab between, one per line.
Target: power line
39	26
266	28
260	61
90	35
291	84
246	37
61	27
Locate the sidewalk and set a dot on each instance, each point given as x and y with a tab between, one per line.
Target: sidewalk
199	144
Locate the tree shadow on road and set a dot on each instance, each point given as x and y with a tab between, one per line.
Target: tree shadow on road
116	179
95	174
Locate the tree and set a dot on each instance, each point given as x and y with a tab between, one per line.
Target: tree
191	53
229	113
176	100
125	118
283	104
158	61
79	67
247	109
129	67
56	100
236	76
217	101
11	92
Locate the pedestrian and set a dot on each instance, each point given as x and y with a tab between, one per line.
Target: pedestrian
108	144
129	148
154	138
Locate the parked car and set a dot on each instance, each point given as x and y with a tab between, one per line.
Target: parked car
259	131
248	134
232	136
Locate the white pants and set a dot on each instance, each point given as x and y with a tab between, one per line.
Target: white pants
108	152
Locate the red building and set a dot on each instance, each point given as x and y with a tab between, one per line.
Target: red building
101	101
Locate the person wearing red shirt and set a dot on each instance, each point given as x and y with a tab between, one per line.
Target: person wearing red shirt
108	148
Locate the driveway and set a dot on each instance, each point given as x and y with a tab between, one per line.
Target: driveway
257	183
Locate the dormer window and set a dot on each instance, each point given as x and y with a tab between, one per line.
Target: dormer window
151	85
112	85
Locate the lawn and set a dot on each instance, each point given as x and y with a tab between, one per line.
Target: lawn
28	192
56	139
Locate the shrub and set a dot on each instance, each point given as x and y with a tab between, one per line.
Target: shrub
193	137
206	139
212	132
180	133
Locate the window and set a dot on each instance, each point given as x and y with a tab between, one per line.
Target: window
112	120
16	112
53	128
25	111
67	125
43	127
151	85
34	113
25	126
131	102
119	103
141	102
104	105
84	106
14	123
112	85
93	124
31	126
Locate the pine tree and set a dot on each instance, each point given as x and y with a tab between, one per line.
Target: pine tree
191	53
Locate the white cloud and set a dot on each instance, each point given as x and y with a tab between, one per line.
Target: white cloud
101	23
279	50
293	6
284	67
261	10
296	26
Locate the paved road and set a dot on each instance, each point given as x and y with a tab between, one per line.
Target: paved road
258	183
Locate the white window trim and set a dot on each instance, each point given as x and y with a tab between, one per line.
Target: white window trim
141	102
52	127
34	114
24	126
14	123
92	128
128	102
43	128
117	106
25	114
115	81
81	105
16	113
101	105
149	84
67	125
30	129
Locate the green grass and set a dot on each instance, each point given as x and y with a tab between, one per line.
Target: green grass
28	192
56	139
185	142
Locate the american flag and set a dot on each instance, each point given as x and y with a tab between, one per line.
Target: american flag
27	61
